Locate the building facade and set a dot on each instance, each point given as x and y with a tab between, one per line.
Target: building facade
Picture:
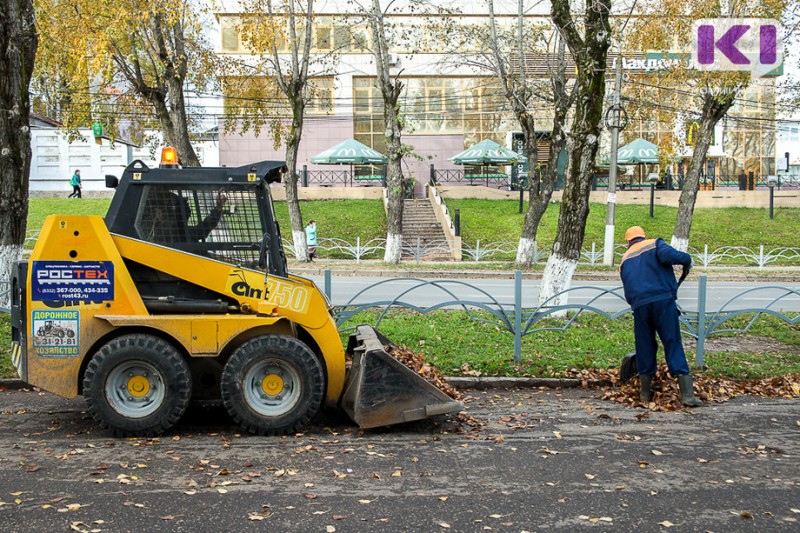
450	101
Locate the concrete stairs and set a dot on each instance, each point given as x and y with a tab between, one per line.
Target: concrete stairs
420	226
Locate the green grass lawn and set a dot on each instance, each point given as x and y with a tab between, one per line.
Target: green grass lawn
456	345
496	221
735	226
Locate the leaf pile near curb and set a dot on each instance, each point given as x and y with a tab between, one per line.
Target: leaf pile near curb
666	394
427	371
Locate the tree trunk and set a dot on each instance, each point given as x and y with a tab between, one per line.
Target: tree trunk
18	44
714	108
390	93
187	157
394	178
292	198
590	54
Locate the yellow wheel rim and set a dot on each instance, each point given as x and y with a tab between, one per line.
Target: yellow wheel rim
138	386
272	384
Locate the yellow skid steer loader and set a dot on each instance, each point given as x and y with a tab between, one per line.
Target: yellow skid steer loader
182	294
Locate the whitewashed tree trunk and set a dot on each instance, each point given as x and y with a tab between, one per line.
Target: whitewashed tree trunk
394	248
9	254
680	244
526	251
556	279
300	247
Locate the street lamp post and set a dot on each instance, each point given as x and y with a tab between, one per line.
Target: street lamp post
652	179
615	123
772	181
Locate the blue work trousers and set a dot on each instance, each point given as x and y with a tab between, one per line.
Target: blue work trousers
659	317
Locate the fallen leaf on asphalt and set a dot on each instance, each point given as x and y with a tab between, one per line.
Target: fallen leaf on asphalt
72	507
443	498
364	501
444	525
656	452
745	514
590	476
330	529
666	523
133	504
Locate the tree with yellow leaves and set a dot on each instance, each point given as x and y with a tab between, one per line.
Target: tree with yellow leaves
123	62
666	26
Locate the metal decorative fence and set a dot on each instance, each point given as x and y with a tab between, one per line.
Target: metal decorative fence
512	317
492	179
342	177
506	251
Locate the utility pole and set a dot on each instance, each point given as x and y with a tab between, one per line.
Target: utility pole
614	125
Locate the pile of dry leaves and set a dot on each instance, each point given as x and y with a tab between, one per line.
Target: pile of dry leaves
416	362
666	395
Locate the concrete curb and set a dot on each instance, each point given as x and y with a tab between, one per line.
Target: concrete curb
12	384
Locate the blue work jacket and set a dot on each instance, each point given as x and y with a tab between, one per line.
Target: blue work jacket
646	271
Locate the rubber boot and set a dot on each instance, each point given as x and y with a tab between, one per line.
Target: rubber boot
645	388
687	391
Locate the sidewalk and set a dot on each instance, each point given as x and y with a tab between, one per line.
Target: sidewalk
519	460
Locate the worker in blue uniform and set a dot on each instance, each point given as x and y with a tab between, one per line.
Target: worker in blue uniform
651	290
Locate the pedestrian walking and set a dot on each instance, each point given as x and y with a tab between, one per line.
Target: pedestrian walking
75	181
311	241
651	290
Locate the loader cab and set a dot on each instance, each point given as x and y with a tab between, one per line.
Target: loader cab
221	213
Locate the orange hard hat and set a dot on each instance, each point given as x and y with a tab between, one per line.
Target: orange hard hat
634	232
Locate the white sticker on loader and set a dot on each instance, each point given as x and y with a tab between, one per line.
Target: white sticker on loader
55	333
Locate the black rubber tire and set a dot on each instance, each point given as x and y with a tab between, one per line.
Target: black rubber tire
302	381
170	374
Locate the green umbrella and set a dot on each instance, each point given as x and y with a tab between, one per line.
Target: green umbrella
349	152
488	152
637	152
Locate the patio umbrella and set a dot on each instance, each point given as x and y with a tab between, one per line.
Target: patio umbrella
638	152
488	152
349	152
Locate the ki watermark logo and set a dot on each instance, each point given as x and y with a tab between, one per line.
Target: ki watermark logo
744	44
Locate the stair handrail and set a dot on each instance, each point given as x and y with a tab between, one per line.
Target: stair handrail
443	217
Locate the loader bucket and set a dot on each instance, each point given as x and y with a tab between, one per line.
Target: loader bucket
381	391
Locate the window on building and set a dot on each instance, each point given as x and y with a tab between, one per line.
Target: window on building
230	34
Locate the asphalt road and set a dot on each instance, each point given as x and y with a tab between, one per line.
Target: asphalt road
544	460
429	292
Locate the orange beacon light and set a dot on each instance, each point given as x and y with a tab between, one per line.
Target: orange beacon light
169	157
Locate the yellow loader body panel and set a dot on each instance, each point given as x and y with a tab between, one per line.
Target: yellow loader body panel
79	243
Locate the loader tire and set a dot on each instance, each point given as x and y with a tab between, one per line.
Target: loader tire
273	385
137	386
